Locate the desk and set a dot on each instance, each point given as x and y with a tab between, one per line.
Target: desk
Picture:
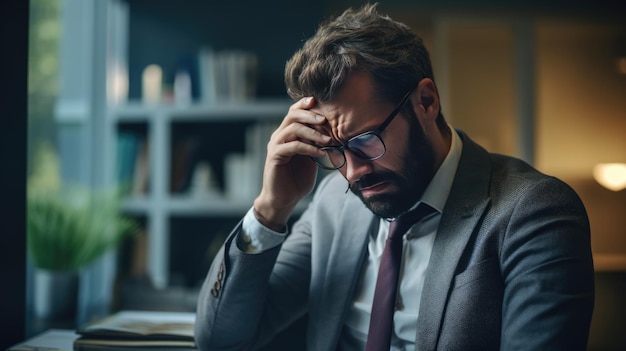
49	340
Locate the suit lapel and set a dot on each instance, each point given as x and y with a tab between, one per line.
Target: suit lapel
465	206
342	271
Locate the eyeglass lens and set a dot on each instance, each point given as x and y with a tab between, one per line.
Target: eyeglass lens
367	146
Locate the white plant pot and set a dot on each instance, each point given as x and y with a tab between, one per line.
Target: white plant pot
55	294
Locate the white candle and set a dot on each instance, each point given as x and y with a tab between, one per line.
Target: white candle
152	81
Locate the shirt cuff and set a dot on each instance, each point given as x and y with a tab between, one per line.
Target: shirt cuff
255	237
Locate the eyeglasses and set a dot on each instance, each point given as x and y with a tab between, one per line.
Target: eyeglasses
367	146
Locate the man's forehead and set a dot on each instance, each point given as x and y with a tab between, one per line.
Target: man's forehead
355	108
342	120
329	111
345	119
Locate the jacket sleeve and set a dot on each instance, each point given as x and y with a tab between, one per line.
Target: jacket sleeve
547	269
246	299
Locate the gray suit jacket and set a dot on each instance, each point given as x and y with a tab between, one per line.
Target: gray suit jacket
511	268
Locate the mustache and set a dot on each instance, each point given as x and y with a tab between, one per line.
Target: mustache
369	180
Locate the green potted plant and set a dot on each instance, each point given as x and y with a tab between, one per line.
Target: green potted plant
68	227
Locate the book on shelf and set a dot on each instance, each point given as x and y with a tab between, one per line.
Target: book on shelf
227	75
126	151
141	175
139	331
133	166
185	156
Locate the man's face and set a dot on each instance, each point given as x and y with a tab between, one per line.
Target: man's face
402	183
393	183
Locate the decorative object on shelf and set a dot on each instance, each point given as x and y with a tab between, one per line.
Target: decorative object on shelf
182	88
203	182
152	84
611	175
68	227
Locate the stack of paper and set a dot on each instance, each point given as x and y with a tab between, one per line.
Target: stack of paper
138	331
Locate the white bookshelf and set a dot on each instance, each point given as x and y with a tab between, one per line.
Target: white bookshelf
158	205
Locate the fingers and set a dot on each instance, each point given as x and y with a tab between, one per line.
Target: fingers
300	112
300	132
307	102
296	139
288	173
304	133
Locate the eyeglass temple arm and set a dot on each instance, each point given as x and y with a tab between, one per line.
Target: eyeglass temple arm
405	98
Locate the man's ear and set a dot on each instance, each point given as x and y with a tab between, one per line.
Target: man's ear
428	102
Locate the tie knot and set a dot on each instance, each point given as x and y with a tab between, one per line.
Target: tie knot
406	220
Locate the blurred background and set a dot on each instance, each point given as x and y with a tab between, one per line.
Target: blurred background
170	103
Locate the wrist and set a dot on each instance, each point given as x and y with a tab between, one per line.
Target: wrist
270	218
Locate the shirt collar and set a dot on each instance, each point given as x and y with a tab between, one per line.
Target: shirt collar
438	189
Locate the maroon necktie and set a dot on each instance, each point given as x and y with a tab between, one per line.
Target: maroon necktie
383	306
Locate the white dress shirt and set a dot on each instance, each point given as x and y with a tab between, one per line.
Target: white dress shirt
417	246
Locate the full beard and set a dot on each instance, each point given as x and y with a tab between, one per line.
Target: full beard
410	182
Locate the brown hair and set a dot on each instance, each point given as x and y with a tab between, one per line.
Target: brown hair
358	40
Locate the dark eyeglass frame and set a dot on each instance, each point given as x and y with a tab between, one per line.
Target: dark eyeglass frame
376	132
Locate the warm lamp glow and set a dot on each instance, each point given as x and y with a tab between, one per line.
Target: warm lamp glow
621	65
611	175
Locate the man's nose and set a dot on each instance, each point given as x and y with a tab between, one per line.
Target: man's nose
356	167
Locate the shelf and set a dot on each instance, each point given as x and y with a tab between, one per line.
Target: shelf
210	206
181	205
137	205
261	109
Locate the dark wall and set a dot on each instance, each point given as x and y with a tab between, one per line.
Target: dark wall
609	315
531	7
13	68
168	32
